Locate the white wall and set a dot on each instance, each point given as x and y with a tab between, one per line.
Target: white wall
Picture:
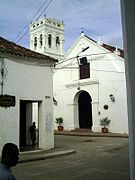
9	124
26	82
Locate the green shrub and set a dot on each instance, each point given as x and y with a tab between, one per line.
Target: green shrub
59	120
104	122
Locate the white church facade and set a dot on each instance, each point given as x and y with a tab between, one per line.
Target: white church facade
22	83
88	81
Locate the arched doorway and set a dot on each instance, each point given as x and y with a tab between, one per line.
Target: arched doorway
85	110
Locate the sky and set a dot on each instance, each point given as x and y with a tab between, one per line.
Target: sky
98	18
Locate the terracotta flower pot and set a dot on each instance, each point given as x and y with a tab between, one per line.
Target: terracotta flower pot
60	128
104	130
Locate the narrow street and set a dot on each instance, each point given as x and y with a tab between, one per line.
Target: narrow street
96	158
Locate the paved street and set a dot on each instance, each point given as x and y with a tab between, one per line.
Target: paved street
96	158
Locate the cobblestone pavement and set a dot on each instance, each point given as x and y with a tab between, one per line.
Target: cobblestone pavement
96	158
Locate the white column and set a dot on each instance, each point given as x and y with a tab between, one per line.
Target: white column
128	18
76	116
46	131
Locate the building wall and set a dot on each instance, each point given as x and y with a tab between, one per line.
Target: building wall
107	76
27	82
99	93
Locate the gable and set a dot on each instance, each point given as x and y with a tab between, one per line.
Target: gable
101	57
84	41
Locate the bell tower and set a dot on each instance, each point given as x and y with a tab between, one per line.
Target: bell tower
47	37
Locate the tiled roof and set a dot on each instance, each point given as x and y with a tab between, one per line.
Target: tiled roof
10	48
110	48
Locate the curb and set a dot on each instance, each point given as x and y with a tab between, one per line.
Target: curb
84	134
38	156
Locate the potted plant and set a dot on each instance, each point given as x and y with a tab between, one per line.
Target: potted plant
59	121
104	122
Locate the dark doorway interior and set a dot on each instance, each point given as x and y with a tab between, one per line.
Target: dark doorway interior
26	119
28	115
22	123
85	110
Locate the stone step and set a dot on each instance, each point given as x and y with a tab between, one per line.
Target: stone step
82	130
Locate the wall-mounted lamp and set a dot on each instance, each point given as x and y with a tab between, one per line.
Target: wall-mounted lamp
112	97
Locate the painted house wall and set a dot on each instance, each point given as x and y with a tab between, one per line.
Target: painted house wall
107	76
27	82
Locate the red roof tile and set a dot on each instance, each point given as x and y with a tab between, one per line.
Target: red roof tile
8	47
110	48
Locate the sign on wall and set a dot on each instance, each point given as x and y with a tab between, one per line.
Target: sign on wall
7	100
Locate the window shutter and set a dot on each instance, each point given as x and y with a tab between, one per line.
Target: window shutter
84	71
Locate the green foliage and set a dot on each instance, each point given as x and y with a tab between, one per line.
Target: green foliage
105	122
59	120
